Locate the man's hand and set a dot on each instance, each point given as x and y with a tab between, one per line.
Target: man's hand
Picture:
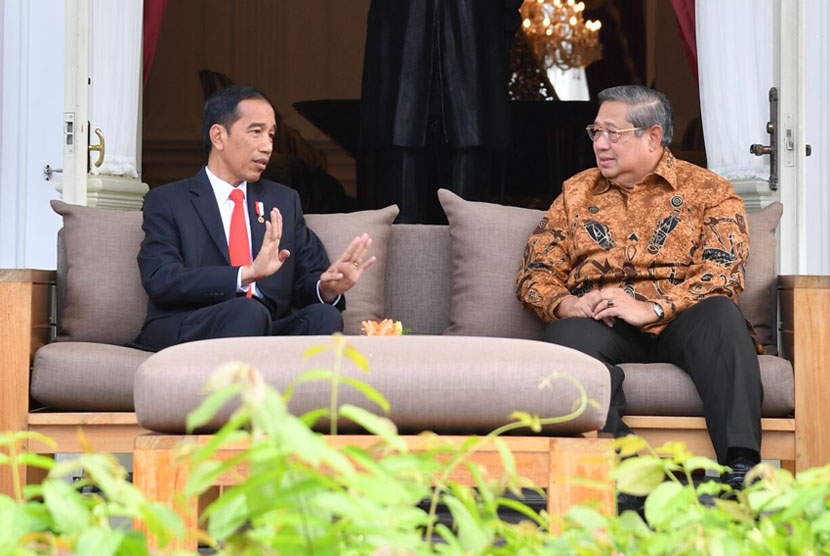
615	303
607	305
270	256
344	273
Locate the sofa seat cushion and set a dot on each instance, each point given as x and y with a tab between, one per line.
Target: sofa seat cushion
445	384
85	376
664	389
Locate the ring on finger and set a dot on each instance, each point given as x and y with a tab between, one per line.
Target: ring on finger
609	303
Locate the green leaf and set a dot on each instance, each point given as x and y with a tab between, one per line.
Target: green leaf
507	459
373	424
696	462
314	375
210	406
368	391
162	522
226	519
310	418
357	358
98	542
36	460
14	523
629	445
666	501
315	350
523	509
633	523
40	437
586	518
472	536
639	475
66	506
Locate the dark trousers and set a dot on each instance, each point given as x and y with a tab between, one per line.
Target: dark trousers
709	341
238	317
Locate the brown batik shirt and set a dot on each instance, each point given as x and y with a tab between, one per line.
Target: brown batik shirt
678	237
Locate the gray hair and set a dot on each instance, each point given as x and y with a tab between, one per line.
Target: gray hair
646	107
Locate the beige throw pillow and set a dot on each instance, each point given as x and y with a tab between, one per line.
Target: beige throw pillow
100	294
758	300
487	242
365	301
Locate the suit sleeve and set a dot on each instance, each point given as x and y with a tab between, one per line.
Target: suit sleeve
546	264
168	280
311	261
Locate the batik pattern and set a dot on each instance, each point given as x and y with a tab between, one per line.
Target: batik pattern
678	237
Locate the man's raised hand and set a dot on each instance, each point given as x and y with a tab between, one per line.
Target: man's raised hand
344	273
270	256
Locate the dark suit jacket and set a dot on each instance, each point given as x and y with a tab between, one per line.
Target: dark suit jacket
184	260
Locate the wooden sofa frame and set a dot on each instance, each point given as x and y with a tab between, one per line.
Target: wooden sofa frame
28	321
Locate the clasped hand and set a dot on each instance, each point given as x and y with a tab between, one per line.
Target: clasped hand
607	305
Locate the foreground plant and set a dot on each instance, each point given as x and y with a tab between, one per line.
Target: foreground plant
55	517
303	496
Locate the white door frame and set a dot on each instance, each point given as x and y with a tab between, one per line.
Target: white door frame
789	74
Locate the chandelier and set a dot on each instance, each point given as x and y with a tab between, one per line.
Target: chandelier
559	35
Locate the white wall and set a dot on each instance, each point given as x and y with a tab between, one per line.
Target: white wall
32	112
817	59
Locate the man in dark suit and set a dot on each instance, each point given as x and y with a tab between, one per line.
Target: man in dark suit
225	254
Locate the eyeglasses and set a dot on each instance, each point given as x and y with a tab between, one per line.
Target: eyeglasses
613	135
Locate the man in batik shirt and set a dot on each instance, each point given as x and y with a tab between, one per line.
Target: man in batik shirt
641	260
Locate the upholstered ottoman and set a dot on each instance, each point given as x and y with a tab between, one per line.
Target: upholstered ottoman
446	384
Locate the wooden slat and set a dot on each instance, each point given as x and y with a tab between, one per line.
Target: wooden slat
811	348
82	418
15	344
27	275
697	423
804	281
103	438
583	458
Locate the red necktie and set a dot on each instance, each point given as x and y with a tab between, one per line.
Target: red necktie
238	245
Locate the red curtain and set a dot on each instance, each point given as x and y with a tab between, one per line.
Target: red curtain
153	14
684	10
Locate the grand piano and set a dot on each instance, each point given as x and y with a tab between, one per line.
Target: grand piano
549	144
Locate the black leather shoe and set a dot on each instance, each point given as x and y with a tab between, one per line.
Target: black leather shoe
631	502
737	477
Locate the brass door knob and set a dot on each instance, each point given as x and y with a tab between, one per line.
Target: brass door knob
99	147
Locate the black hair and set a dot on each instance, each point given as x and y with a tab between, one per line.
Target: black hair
223	108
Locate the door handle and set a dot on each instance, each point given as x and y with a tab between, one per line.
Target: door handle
99	147
772	129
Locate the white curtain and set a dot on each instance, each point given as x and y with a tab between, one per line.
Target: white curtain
734	47
569	84
115	67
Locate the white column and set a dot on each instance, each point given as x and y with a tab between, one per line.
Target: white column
817	57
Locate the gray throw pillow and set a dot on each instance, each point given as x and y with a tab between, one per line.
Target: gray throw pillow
100	296
365	301
487	242
758	300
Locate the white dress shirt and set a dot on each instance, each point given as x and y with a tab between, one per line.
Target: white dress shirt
222	191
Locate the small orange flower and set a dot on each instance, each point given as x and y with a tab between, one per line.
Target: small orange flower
386	327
